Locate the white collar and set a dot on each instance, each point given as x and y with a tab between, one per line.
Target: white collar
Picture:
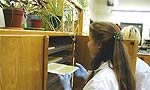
102	66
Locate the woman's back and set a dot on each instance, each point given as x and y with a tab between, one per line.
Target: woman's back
104	79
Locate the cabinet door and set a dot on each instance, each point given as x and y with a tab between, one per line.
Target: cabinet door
82	56
22	59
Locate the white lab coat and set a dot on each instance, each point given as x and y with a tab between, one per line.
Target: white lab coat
104	79
142	75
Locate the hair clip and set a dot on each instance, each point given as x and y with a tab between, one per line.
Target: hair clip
118	36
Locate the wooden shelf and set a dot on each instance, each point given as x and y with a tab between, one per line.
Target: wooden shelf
22	31
53	82
60	48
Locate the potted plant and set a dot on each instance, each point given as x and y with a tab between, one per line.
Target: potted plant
13	12
33	12
15	9
52	12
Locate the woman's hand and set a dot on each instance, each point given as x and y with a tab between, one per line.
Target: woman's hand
81	72
65	81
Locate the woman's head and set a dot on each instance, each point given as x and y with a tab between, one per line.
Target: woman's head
103	31
101	44
131	33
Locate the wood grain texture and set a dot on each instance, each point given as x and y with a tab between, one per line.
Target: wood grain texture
82	54
45	67
21	62
132	48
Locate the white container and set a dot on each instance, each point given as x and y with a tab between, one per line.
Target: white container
2	21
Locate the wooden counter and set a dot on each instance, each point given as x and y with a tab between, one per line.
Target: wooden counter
145	57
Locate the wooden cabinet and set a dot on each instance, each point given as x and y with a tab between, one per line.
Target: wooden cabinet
24	55
22	59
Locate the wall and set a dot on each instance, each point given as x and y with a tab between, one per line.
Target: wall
99	11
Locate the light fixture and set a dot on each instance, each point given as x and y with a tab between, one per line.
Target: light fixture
121	10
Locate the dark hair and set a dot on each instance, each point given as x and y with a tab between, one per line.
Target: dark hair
114	51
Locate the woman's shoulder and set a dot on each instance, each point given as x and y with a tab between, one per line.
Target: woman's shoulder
105	77
141	66
103	80
106	73
105	70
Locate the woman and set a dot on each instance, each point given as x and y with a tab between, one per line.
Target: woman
110	64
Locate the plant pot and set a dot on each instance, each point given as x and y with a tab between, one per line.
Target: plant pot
29	17
13	17
36	23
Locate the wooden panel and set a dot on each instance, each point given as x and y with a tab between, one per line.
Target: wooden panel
132	47
82	54
80	22
145	58
21	62
45	78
